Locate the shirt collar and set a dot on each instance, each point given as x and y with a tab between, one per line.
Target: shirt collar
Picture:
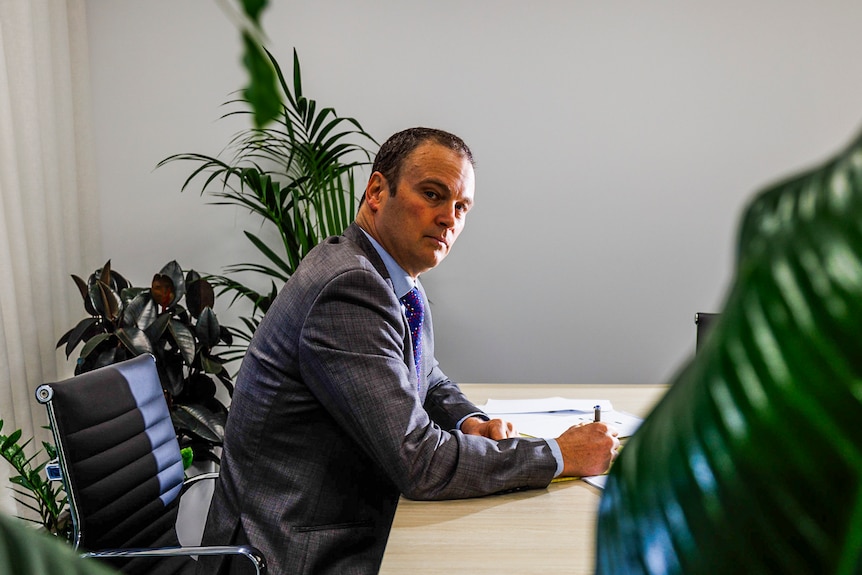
401	280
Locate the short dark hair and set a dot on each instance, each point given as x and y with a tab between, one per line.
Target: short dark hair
392	153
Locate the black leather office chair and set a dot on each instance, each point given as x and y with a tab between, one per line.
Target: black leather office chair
703	323
122	468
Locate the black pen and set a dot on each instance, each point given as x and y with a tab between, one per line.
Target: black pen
598	413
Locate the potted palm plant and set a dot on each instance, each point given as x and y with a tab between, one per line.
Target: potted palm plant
296	174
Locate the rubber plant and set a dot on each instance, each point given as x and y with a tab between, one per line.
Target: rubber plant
752	462
187	341
296	175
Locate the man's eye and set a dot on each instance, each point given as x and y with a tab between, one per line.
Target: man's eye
431	195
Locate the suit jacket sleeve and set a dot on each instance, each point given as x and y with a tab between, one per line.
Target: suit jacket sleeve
445	402
353	357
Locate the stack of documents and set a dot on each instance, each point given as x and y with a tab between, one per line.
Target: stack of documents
551	416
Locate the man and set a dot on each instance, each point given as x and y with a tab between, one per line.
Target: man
336	415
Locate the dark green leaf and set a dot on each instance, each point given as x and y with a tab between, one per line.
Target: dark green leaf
272	256
78	333
50	449
135	340
200	421
11	440
85	295
173	270
184	339
199	295
159	326
225	335
211	365
141	311
207	328
109	356
94	342
162	291
104	274
106	301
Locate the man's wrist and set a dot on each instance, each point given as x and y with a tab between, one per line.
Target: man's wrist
481	417
558	455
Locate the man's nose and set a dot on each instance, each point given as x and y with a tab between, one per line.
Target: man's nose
446	216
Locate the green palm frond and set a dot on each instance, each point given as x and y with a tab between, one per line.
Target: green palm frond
296	175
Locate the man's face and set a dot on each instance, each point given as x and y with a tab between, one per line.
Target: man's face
420	223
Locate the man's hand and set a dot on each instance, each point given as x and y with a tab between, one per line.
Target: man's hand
588	449
493	429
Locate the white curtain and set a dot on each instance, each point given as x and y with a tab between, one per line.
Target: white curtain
49	211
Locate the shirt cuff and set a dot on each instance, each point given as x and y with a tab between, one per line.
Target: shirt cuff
558	455
468	416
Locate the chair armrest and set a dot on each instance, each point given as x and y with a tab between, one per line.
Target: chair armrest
256	557
188	483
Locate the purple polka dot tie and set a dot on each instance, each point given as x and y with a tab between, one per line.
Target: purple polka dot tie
415	311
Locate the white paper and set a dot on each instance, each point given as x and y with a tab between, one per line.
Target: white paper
596	480
551	416
554	424
544	405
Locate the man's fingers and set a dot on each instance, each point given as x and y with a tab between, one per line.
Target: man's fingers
499	429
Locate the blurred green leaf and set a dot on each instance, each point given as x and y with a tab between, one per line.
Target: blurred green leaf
254	8
24	551
752	463
261	91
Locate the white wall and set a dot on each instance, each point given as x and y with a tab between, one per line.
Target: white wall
616	144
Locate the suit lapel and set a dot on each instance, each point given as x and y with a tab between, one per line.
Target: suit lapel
356	235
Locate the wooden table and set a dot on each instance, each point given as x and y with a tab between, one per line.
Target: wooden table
539	531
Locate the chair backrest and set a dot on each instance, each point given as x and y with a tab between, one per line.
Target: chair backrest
119	454
703	323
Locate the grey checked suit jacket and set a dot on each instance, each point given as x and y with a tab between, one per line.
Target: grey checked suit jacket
329	425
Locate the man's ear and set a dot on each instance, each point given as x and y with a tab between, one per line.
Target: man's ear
377	186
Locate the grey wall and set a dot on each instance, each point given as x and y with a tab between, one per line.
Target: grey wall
616	144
